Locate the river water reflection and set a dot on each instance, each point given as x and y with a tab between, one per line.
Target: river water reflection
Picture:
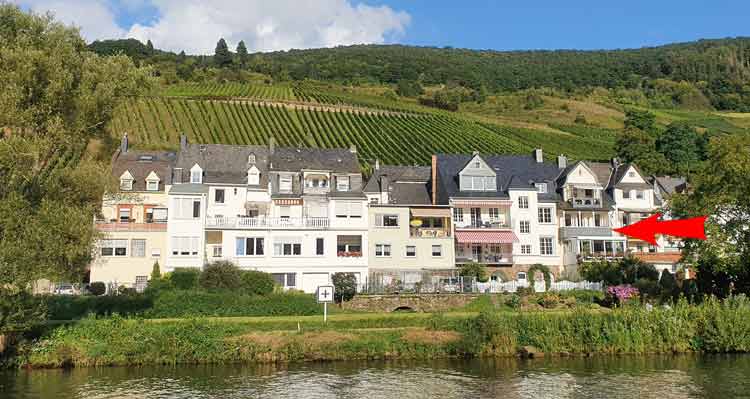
599	377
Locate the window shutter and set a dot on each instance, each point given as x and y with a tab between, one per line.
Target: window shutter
240	247
341	208
355	209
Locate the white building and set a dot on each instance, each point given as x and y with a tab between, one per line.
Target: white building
297	213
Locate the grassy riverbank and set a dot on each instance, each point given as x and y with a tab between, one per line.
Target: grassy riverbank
710	327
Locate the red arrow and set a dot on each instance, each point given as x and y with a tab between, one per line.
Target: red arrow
647	229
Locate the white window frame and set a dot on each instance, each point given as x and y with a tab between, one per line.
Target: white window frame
280	246
348	209
114	245
545	213
640	194
196	174
286	277
458	214
152	185
523	202
258	246
181	210
439	251
286	183
525	249
543	246
223	196
343	183
541	188
253	176
185	246
217	251
406	251
494	213
380	219
138	247
524	226
126	184
383	250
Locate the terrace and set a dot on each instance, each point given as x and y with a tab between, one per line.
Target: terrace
262	222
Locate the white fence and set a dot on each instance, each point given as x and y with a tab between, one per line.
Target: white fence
512	286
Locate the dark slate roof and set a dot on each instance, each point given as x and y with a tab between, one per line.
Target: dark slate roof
513	172
407	185
141	163
222	164
295	159
189	188
670	185
620	173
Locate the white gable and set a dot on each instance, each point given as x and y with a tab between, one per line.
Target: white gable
477	167
152	176
632	176
126	176
581	174
253	176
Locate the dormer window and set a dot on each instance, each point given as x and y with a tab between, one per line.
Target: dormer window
251	159
126	181
253	176
152	182
476	164
631	174
541	188
342	183
196	174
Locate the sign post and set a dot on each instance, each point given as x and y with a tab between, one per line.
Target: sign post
325	296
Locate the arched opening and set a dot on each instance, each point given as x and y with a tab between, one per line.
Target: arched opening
404	309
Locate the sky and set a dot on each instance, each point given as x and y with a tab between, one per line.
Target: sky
267	25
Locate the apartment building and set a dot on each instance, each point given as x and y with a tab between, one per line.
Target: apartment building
407	233
297	213
133	221
504	209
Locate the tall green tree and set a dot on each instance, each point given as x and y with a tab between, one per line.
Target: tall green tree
636	146
720	191
57	98
150	47
222	56
681	145
242	54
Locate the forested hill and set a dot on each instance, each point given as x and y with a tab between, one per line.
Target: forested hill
720	69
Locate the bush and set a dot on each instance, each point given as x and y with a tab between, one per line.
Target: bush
345	286
220	275
636	269
156	272
513	301
548	300
584	296
607	272
195	303
476	270
668	286
65	307
185	278
256	283
525	291
97	288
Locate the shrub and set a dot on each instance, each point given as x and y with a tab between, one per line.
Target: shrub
97	288
584	296
185	278
476	270
65	307
607	272
619	294
345	286
668	286
256	283
513	301
525	291
220	275
195	303
647	288
580	119
548	300
156	271
636	269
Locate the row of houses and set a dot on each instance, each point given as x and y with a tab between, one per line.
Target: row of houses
305	213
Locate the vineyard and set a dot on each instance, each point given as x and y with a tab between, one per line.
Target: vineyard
393	138
212	90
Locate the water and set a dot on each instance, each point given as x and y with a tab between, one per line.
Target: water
611	377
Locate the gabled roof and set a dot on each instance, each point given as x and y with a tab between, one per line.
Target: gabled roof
408	185
222	164
512	172
336	160
140	164
619	174
670	185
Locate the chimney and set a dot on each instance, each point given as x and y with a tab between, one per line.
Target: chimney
124	143
615	163
474	153
384	182
271	145
562	162
377	164
183	141
353	149
538	156
434	179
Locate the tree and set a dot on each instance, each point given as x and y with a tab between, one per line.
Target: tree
222	56
681	145
57	96
345	286
156	272
720	191
475	270
150	47
636	146
641	120
242	54
220	275
409	88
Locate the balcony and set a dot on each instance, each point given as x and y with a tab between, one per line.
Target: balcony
578	231
130	226
485	224
427	232
247	222
492	259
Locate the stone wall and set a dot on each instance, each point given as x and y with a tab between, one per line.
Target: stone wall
416	302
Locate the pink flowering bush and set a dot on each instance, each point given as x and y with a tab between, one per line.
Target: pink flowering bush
619	294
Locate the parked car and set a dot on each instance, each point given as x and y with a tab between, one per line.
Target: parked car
65	289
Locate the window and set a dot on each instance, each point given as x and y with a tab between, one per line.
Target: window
476	164
541	187
285	212
374	200
287	247
494	213
114	248
588	193
524	226
138	248
155	252
249	246
319	246
639	194
625	194
219	196
124	215
437	250
386	220
631	174
185	246
597	220
350	209
523	202
156	215
285	280
411	251
545	215
349	245
546	246
382	250
342	183
478	183
152	185
458	214
187	208
526	249
253	176
217	251
285	183
126	184
196	175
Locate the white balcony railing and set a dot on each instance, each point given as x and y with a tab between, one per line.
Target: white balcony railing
246	222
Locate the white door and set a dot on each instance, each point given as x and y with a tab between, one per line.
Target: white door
311	281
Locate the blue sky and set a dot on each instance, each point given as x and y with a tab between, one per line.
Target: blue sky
195	25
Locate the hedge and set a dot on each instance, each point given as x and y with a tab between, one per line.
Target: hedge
189	303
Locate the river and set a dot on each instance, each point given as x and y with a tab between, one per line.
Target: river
662	377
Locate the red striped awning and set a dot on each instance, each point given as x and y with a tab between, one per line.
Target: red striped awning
486	237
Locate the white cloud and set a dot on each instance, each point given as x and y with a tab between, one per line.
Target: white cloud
195	25
95	18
